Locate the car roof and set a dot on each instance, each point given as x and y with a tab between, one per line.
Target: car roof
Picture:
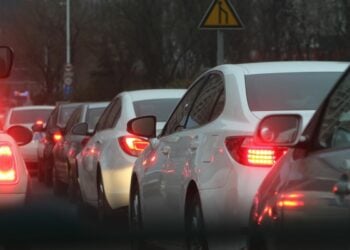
33	107
96	104
284	67
71	104
148	94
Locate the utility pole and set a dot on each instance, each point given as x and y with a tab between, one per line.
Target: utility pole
68	69
68	52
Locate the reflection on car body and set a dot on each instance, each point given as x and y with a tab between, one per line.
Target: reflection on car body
53	132
105	163
304	201
27	116
64	151
204	169
14	177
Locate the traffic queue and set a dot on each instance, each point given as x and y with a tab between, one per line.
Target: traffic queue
258	148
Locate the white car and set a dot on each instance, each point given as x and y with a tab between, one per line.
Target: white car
105	163
14	177
204	169
27	116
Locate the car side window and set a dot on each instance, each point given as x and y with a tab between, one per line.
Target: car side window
335	125
51	122
219	106
178	118
74	119
114	114
210	99
103	119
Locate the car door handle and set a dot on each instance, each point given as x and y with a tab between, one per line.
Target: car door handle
165	150
99	142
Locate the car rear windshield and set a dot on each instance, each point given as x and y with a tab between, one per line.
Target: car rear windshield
64	115
92	116
161	108
29	115
288	91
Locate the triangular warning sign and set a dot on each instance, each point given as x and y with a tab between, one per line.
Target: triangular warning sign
221	15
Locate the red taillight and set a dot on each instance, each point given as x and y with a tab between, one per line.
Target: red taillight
39	122
57	136
7	164
291	200
133	145
245	152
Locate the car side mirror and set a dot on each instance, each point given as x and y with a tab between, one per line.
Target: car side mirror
80	129
279	130
6	61
38	126
144	126
20	134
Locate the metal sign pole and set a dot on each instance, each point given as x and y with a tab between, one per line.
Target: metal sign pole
220	16
220	47
68	52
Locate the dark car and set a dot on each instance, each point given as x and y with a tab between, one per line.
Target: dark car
53	130
304	202
64	152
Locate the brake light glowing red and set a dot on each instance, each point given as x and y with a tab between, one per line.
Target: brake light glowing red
57	136
289	203
133	145
246	152
7	164
39	122
291	200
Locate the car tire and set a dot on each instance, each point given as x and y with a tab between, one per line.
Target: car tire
59	188
48	168
103	209
135	218
73	186
194	224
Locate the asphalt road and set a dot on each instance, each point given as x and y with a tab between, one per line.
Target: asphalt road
50	222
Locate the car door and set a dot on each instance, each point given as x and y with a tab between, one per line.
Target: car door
108	147
154	190
194	143
67	142
51	127
315	187
87	172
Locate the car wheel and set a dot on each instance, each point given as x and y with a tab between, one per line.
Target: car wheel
103	208
59	188
48	168
194	223
73	187
135	218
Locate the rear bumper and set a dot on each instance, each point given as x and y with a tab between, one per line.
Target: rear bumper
30	152
229	207
117	186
